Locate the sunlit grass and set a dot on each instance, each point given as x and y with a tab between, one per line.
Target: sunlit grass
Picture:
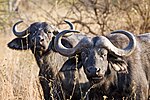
18	74
18	69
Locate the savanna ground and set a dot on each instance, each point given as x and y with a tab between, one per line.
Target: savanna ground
18	70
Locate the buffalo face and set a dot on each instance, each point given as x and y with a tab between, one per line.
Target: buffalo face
98	53
36	37
40	36
95	62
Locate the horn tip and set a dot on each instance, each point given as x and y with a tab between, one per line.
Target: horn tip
19	22
66	21
119	31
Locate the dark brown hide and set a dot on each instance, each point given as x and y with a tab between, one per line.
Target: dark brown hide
56	84
113	75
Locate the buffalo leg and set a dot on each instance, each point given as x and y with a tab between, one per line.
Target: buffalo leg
46	89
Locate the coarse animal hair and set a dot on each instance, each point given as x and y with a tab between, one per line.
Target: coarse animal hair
56	80
114	72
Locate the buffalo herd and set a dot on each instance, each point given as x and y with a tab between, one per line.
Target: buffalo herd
77	66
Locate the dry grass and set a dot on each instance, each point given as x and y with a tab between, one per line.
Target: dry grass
18	74
18	69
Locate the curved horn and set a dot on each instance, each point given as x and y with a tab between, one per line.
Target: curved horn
71	28
19	34
120	52
70	24
69	51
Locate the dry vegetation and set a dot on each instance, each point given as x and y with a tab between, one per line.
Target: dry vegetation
18	70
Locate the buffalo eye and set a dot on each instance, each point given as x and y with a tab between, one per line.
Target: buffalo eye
47	31
102	52
83	54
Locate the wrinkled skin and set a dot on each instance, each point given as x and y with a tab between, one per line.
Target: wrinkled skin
118	77
53	74
111	74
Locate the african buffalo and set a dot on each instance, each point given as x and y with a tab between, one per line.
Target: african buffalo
113	72
57	82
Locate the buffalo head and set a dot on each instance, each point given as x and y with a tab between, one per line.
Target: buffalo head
98	53
39	38
36	37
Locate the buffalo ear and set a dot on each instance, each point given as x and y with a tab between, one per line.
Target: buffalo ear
64	41
67	43
19	44
119	65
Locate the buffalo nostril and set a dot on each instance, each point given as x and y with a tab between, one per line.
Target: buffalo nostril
42	40
97	69
91	70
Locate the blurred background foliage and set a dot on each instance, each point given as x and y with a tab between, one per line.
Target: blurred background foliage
19	71
89	16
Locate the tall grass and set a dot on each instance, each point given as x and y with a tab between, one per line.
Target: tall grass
18	74
18	69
